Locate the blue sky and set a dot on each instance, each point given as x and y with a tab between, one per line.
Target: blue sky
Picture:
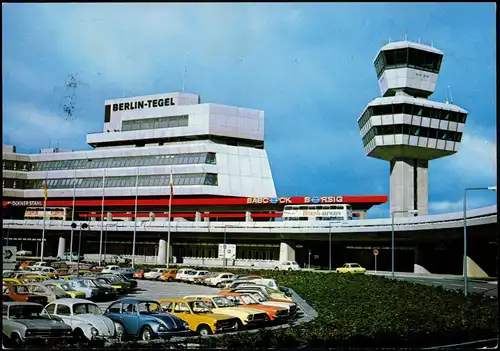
308	66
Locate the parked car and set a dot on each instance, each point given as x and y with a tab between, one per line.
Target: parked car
26	264
144	319
86	319
271	293
111	269
117	259
23	325
49	272
52	295
20	293
275	314
139	273
199	316
169	276
183	274
155	273
24	253
70	256
261	298
287	266
127	284
198	276
354	268
221	305
56	285
92	288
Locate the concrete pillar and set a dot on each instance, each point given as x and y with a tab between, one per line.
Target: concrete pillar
248	217
206	219
62	247
197	217
409	186
362	214
162	252
287	251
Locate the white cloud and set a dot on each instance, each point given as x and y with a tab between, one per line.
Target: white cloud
33	128
457	206
477	156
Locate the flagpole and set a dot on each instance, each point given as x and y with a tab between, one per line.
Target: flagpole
72	218
45	192
102	216
135	216
169	218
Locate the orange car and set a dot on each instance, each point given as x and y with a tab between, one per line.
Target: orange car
275	314
169	276
25	265
139	273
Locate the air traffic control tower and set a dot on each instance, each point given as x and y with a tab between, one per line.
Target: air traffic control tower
404	127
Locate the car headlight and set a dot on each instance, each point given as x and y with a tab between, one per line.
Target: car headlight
94	331
161	328
185	324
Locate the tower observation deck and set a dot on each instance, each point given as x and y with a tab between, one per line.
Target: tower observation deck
404	127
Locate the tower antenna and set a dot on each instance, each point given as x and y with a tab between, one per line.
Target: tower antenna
446	97
419	40
406	35
451	96
389	38
50	141
184	79
432	43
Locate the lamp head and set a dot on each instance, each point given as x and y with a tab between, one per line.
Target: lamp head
494	188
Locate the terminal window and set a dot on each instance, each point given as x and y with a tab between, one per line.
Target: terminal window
155	123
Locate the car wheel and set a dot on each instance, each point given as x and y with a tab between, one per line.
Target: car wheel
219	285
337	271
122	336
289	269
157	278
147	333
170	279
276	269
58	258
204	330
80	337
16	340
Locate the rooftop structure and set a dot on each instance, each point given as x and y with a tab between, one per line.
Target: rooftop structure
404	127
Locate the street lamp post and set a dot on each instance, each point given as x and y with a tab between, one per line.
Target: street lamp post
493	188
309	258
330	244
392	236
224	252
82	226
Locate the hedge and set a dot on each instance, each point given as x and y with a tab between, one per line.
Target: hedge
373	311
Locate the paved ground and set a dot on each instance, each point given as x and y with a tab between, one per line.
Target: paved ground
156	290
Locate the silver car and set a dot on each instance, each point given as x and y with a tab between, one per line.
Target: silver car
23	324
86	319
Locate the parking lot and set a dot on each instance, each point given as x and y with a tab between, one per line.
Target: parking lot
155	290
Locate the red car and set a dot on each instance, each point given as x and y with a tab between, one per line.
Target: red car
139	273
20	293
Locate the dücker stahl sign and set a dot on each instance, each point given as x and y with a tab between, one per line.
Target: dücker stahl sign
138	105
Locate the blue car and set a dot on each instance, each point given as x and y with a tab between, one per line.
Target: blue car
144	319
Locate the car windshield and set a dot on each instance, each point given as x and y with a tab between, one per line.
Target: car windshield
258	297
25	312
234	299
111	279
199	307
86	308
20	289
221	301
65	287
149	308
248	299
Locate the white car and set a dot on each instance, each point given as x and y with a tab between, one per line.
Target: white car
183	274
52	295
287	266
220	279
197	276
24	253
270	283
155	273
86	286
44	270
111	269
38	265
86	319
70	256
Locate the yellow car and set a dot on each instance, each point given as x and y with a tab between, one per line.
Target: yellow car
54	286
351	268
221	305
13	281
66	277
199	316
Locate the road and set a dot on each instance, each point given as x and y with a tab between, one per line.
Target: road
481	287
